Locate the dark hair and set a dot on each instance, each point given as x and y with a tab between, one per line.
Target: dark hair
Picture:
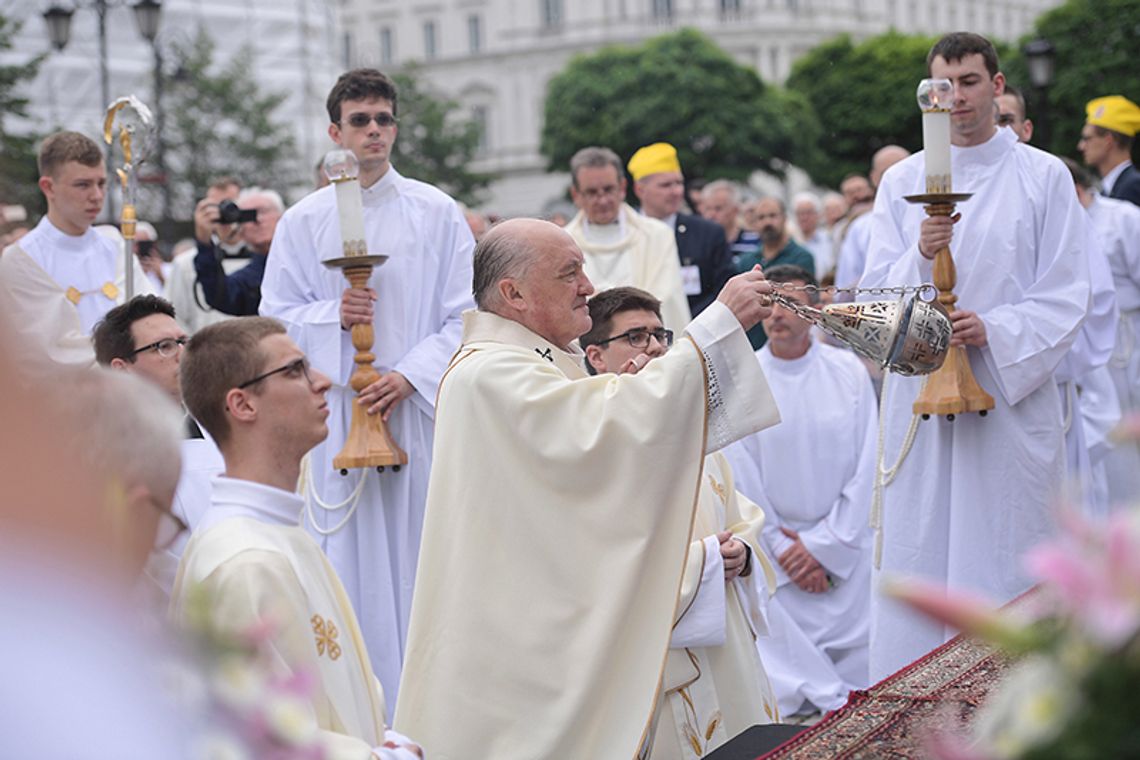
605	305
63	147
221	183
793	273
360	84
112	336
957	45
1081	175
1123	141
217	359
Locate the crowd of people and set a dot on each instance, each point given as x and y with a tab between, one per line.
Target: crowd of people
635	517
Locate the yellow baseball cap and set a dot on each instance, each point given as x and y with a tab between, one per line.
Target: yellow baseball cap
1114	112
654	159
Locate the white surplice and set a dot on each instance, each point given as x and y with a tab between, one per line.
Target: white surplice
1117	224
35	275
814	473
254	566
638	251
422	289
560	515
976	492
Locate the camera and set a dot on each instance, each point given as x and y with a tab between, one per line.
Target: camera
229	213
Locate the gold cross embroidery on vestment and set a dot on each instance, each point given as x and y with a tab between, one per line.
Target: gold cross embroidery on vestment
326	634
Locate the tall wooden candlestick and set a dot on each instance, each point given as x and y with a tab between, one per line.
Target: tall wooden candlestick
369	443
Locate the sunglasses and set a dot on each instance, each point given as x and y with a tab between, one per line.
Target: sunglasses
361	120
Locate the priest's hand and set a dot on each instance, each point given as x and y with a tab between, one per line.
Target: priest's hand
383	395
748	297
356	307
733	553
935	234
969	330
802	568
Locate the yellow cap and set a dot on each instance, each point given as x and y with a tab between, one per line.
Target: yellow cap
654	159
1114	112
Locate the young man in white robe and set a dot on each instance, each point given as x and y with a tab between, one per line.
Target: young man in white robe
621	246
249	561
61	278
560	511
814	474
413	302
714	686
975	493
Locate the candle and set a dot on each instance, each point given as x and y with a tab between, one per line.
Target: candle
342	170
935	96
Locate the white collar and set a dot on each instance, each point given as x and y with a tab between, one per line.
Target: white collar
232	497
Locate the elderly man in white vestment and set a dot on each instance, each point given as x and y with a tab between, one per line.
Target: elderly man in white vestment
63	276
714	686
814	474
252	388
560	511
621	246
371	530
976	492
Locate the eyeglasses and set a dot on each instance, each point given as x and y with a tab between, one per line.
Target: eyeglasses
167	348
638	337
170	528
361	120
594	193
295	368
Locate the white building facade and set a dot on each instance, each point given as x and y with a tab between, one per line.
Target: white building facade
497	56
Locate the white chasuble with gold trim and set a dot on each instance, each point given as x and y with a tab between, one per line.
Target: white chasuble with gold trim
559	517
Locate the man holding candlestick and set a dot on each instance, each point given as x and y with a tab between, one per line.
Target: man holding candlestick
975	492
371	529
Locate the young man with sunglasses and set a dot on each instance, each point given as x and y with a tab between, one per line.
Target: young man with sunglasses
413	302
249	562
63	276
712	662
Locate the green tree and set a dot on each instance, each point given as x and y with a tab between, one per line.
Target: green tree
864	96
682	89
1097	42
220	123
437	141
18	173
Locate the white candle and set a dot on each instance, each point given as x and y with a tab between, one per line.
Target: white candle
936	149
935	96
350	209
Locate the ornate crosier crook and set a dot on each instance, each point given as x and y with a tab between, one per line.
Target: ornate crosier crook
136	135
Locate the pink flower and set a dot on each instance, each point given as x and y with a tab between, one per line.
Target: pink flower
966	612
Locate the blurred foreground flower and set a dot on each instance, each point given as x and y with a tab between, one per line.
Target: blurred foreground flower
1074	695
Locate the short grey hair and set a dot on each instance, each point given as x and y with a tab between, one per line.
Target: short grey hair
811	198
723	185
594	157
779	202
125	427
497	257
272	196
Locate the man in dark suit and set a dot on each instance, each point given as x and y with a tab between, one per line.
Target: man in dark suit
705	261
1106	144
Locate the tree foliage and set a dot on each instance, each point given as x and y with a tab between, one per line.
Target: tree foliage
1097	42
437	142
682	89
218	122
864	96
18	173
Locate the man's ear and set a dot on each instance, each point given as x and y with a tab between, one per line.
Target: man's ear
240	405
510	294
47	187
595	358
637	188
999	84
120	364
1028	127
334	133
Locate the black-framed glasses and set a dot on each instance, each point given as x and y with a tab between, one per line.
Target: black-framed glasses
638	337
361	120
167	347
295	368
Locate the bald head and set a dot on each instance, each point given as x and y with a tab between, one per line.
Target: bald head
884	158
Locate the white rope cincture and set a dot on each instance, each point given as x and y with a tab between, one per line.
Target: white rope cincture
309	493
1125	342
884	476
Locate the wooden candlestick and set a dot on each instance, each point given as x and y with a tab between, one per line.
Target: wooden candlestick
952	389
369	443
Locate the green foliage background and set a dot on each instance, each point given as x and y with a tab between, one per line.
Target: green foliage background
18	173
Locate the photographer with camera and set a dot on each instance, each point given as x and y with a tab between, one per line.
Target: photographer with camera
255	213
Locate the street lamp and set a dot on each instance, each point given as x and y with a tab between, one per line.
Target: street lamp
58	20
147	15
1040	56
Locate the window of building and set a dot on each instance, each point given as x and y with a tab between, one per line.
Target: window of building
348	57
729	9
662	10
429	40
480	117
387	53
474	33
551	12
